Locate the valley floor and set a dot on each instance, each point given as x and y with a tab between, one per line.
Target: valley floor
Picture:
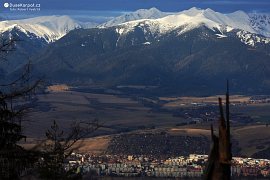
124	114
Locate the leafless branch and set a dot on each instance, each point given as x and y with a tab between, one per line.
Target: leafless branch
7	45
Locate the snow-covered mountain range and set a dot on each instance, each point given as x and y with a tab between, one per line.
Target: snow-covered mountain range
251	28
195	46
48	28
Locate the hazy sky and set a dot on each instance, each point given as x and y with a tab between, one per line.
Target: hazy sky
105	9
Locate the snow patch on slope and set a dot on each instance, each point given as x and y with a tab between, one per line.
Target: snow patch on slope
260	22
220	36
251	39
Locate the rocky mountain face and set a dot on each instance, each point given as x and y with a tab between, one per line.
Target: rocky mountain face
196	61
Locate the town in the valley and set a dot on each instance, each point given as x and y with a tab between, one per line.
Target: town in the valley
191	166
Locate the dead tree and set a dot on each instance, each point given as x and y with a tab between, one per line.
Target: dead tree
219	160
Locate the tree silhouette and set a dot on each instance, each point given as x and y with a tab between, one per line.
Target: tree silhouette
14	99
59	146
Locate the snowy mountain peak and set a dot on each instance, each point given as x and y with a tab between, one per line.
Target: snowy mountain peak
152	10
239	13
194	11
49	28
152	13
191	12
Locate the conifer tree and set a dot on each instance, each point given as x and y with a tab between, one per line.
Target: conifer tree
14	97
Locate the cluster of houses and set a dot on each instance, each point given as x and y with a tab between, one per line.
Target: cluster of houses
250	167
181	167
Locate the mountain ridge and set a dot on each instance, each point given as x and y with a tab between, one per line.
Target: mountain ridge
152	13
49	28
195	17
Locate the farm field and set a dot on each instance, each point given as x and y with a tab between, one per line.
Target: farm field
116	113
123	114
